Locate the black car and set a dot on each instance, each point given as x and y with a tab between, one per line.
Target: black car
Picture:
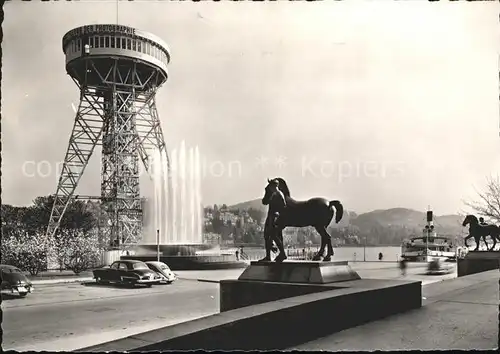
14	281
127	272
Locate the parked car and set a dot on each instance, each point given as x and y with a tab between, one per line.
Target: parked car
127	272
163	270
14	281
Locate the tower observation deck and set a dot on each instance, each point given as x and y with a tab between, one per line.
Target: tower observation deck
118	70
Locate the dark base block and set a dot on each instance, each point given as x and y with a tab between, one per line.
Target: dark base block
202	262
478	261
270	281
240	293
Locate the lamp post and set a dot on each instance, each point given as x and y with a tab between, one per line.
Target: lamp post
364	250
158	245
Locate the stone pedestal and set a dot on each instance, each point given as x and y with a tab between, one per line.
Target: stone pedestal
304	272
269	281
478	261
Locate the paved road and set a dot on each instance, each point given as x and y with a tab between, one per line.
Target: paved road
72	316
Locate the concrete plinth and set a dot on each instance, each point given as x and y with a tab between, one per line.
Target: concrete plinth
478	261
304	272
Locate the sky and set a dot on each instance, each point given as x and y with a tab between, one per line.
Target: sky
378	104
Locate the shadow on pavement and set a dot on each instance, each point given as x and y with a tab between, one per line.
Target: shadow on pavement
114	286
7	296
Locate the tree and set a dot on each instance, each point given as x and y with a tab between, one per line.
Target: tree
12	220
78	214
488	201
251	234
301	239
309	234
256	214
237	223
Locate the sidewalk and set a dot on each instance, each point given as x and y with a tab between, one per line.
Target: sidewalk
59	277
456	314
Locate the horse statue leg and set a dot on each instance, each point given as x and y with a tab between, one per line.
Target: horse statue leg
319	255
326	240
468	238
268	242
486	243
494	239
278	239
496	236
478	240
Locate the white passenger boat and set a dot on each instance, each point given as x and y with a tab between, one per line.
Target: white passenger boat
429	246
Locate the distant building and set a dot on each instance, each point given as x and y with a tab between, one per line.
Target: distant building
212	238
290	235
225	217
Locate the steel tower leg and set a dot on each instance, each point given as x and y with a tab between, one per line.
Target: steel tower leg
84	137
120	191
131	130
123	111
149	129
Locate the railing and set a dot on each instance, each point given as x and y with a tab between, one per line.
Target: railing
244	256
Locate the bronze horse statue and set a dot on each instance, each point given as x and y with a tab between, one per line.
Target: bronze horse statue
477	230
316	212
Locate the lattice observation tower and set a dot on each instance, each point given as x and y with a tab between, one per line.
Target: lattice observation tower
118	70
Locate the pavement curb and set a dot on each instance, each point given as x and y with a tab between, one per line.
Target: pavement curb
59	281
208	281
82	280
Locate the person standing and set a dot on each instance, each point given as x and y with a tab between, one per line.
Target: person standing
402	265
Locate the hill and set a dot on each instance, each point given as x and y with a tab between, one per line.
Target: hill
409	219
251	204
384	226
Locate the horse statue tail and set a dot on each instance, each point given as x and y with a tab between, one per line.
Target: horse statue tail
339	209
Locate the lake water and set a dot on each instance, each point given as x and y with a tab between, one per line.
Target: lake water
390	253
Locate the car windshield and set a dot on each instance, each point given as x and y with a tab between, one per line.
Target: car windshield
164	267
11	270
140	266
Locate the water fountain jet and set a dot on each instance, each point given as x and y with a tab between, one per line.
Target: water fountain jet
178	214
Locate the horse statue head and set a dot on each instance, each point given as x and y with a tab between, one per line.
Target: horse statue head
272	186
470	219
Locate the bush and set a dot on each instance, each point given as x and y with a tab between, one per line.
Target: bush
26	252
77	250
